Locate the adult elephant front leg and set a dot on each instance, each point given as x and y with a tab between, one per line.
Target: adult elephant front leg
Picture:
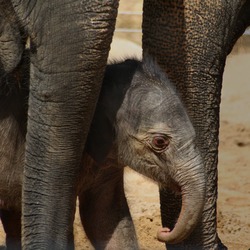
69	46
191	40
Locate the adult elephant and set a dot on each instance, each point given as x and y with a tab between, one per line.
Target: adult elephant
69	46
191	40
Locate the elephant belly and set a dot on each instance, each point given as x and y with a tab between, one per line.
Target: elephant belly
10	189
12	148
10	180
11	174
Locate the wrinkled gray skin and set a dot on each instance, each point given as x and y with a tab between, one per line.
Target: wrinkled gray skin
190	40
139	121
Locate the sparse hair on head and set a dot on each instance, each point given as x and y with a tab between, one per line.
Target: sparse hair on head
152	69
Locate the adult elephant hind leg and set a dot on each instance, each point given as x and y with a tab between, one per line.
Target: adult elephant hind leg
105	214
11	221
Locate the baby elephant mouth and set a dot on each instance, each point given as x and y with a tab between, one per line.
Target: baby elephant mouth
172	187
175	187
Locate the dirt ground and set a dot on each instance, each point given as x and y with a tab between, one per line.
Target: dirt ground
234	169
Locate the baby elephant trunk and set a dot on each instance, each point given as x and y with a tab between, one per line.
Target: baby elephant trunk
192	185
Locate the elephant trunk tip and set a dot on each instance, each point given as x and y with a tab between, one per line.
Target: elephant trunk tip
187	220
165	235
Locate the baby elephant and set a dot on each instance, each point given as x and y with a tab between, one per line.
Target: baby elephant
139	122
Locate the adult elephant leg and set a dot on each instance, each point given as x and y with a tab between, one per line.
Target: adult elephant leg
190	40
70	41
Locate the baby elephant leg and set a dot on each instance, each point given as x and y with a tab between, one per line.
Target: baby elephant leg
105	214
11	220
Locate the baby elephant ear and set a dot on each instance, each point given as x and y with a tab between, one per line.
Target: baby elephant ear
11	43
100	138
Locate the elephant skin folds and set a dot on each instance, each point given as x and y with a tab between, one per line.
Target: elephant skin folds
233	208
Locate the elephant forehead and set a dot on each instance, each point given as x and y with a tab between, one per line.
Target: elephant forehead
155	107
158	119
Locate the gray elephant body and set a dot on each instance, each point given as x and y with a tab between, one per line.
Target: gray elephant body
190	40
139	121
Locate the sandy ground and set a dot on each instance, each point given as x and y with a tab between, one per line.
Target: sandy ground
234	168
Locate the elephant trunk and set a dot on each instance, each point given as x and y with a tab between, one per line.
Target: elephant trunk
192	186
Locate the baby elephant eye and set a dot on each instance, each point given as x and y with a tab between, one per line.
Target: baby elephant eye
160	142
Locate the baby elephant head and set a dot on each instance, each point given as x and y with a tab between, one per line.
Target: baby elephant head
156	138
